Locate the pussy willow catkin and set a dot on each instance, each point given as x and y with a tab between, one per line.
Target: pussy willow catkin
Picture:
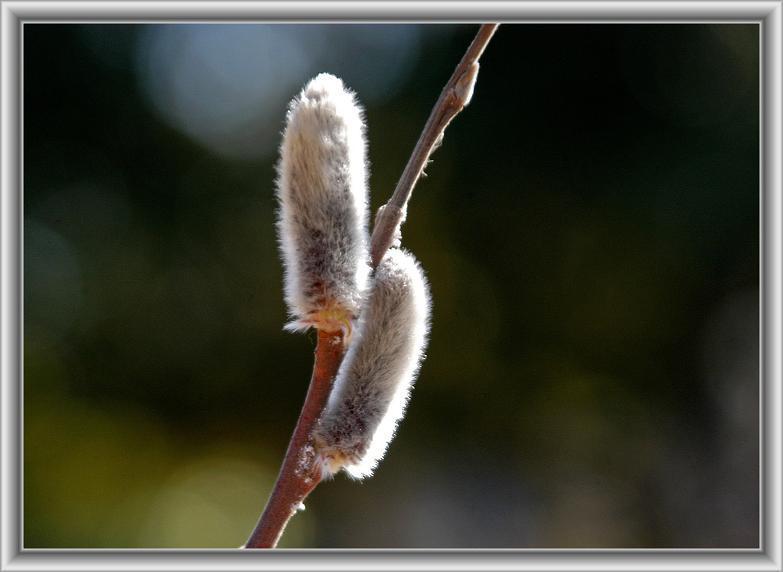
322	191
373	384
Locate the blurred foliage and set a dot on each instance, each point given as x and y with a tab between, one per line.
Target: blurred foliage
590	229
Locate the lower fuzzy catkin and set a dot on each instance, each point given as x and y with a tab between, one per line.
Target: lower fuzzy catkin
322	190
373	384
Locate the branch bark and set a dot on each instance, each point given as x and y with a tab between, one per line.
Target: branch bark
299	474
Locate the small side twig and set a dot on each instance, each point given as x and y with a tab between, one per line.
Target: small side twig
299	474
454	97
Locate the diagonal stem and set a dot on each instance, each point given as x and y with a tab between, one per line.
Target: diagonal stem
453	99
298	474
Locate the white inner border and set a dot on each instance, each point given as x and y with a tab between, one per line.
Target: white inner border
768	14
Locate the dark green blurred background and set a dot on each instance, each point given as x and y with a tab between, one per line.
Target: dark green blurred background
589	227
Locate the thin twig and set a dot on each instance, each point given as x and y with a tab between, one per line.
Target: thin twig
299	474
454	97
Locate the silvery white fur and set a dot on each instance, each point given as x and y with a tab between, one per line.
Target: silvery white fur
322	191
373	383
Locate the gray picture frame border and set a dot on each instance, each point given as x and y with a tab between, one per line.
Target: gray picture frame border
13	17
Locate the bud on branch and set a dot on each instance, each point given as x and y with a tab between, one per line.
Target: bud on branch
322	190
373	384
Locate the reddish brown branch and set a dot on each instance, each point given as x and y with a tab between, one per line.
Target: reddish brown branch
299	475
454	97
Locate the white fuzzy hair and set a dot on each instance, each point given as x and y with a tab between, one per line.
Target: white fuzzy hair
374	380
322	191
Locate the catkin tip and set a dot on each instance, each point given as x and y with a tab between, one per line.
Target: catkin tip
323	85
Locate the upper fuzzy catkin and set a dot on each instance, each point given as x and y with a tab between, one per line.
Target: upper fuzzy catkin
373	383
322	191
